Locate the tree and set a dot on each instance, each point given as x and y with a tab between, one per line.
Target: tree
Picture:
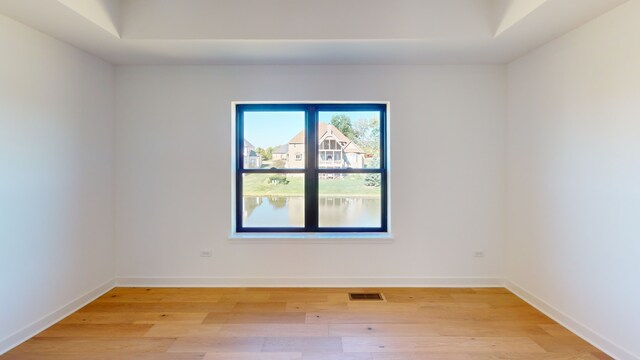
364	132
343	123
368	131
266	154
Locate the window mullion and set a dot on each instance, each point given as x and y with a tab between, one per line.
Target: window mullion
239	167
311	177
384	198
383	140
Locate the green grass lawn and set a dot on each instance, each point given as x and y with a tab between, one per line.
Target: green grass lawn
351	185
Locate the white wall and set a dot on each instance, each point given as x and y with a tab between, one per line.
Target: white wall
574	179
56	179
173	161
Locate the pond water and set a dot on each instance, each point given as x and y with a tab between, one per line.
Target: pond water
288	211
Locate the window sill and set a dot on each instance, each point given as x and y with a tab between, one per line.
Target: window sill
312	238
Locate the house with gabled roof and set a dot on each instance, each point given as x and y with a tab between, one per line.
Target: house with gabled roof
335	150
280	152
252	160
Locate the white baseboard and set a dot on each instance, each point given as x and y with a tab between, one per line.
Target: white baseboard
46	321
355	282
570	323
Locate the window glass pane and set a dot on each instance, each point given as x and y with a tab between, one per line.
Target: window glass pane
273	200
349	200
274	139
349	139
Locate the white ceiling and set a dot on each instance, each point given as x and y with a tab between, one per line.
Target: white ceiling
305	31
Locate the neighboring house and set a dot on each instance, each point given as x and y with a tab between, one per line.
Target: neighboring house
336	151
280	153
251	159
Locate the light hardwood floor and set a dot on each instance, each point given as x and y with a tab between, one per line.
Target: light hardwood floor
305	323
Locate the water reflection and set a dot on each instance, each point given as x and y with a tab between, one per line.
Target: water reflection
349	212
283	211
273	211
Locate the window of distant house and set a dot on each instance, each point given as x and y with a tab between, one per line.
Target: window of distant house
311	168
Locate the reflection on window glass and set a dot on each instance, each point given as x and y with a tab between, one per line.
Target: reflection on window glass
349	200
273	200
349	139
274	140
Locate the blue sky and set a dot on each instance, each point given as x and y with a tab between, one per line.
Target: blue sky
273	128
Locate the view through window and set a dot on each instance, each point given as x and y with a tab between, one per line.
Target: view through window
311	168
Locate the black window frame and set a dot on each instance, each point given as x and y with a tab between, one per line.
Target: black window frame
311	171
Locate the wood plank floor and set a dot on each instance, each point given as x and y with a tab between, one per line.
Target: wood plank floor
305	323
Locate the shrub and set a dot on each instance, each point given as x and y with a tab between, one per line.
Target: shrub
278	179
373	179
278	164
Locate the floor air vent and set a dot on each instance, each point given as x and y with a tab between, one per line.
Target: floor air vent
365	296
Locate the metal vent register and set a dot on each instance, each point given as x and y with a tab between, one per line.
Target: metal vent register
365	296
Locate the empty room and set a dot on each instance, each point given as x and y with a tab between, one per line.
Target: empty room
319	179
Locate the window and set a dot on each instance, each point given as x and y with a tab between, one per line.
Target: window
311	168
